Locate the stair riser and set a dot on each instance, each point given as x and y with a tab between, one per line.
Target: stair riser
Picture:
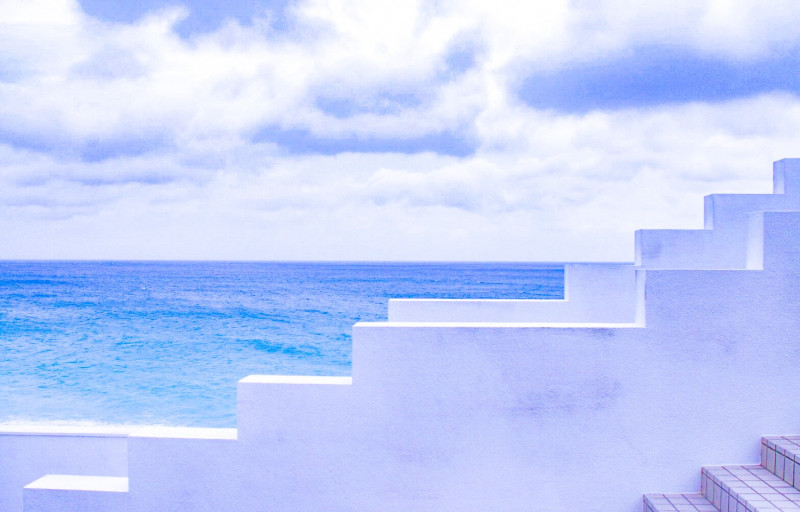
676	503
784	465
720	497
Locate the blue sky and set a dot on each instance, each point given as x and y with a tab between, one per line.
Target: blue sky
369	130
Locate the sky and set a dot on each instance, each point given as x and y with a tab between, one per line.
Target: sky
381	130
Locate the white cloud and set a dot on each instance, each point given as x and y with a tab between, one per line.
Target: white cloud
108	78
127	141
40	12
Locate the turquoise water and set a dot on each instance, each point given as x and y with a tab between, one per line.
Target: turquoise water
166	342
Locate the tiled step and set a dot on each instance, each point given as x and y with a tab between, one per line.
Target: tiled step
677	503
781	456
747	489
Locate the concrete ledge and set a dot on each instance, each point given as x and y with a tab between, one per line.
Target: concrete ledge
186	433
66	430
80	483
76	493
296	379
497	325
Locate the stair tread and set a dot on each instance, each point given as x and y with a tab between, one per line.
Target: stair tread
753	487
689	502
788	445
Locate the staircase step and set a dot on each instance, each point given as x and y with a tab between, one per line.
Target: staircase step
747	489
781	456
694	502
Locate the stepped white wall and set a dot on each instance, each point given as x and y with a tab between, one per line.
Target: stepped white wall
723	242
593	292
642	375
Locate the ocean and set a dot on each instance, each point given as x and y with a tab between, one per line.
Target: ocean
165	342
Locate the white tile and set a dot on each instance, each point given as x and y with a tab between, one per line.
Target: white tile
779	463
770	460
796	473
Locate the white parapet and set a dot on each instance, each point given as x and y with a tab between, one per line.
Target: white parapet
607	292
678	248
786	176
262	403
593	292
198	461
773	243
723	243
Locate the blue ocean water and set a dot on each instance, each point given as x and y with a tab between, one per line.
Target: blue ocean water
166	342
